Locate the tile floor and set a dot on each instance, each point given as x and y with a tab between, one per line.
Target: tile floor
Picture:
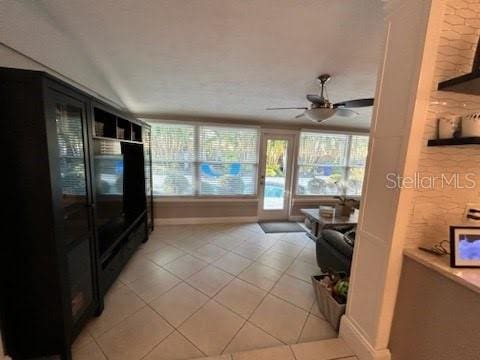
206	290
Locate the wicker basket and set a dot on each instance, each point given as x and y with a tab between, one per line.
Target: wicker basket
328	306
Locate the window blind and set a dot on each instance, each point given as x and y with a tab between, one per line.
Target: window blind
356	164
227	160
321	163
330	164
173	159
204	160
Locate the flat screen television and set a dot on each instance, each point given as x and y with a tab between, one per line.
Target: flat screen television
120	188
109	185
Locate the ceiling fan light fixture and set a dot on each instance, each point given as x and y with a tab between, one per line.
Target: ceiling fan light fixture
320	114
321	108
346	113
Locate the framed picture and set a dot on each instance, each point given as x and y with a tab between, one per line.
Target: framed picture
465	246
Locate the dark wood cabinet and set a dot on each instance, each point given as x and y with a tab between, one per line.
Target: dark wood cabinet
52	274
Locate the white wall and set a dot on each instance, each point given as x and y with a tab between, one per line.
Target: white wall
434	210
13	59
29	39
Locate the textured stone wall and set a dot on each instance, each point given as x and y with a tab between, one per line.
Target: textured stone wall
434	210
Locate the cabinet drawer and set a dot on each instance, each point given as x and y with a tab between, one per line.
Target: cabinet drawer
134	239
112	266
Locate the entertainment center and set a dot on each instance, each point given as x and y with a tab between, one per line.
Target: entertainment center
78	204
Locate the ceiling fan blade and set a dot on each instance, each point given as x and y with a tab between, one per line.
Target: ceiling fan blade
355	103
287	108
315	99
343	112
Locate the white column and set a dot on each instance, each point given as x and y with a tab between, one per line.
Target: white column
403	90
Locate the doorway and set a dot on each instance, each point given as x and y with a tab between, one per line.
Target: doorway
275	181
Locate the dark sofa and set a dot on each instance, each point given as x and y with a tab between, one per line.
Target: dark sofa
334	249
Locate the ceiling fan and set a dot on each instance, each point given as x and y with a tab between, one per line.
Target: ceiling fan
322	109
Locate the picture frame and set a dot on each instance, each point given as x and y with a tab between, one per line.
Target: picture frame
465	246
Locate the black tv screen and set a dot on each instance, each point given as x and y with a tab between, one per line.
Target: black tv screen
120	188
109	189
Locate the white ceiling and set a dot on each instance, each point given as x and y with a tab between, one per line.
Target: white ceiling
226	59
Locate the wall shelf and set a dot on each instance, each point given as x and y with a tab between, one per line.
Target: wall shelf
455	141
110	126
465	84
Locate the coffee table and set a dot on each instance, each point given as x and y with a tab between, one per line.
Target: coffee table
321	222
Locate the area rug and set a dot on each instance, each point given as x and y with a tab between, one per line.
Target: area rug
280	227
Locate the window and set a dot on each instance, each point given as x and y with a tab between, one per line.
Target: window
228	160
356	164
204	160
331	164
173	159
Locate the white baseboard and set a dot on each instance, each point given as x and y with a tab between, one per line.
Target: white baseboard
206	220
359	344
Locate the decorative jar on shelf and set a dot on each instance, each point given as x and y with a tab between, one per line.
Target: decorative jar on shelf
449	126
471	125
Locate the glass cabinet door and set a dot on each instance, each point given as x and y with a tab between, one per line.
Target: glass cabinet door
80	275
148	175
71	160
71	135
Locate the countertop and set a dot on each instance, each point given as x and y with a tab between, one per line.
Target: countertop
469	278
